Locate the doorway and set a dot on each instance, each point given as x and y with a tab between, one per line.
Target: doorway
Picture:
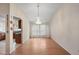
17	30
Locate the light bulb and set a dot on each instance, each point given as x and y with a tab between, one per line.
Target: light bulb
38	21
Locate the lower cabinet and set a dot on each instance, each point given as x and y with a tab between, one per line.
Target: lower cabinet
17	38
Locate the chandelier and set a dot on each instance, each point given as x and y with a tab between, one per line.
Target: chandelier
38	21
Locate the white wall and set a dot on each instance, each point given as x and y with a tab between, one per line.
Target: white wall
17	12
65	27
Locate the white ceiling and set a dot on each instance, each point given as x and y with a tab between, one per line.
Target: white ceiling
46	10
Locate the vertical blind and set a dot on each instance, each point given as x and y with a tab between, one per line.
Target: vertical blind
41	30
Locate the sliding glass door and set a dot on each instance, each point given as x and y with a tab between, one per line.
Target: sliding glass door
34	30
40	30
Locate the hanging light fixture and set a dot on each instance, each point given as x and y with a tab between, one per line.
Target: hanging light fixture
38	21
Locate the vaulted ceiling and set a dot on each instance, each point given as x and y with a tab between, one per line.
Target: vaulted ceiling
46	10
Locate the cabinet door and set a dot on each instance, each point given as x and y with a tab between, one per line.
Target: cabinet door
18	38
19	23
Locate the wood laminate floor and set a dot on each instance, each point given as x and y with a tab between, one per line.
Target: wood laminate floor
40	46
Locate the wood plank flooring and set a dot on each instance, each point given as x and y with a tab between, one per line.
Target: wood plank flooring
40	46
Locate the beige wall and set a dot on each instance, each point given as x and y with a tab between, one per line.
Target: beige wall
65	27
15	11
4	9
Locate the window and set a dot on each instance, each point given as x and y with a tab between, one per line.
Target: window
2	24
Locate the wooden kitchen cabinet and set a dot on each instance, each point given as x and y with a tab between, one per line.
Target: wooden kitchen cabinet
17	37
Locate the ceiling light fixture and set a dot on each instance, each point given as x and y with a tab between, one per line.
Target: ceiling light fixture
38	21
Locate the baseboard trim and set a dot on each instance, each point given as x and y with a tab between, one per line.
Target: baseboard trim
53	38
